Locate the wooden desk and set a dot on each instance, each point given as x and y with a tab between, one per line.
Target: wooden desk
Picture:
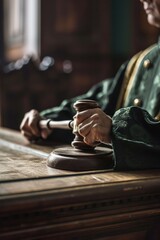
37	202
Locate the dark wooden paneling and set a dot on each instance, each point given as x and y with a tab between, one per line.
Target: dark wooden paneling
1	33
75	27
80	32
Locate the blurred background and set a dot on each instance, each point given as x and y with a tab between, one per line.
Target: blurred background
56	49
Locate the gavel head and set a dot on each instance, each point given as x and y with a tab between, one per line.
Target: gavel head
78	142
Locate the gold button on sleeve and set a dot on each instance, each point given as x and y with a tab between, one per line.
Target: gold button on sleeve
137	102
158	117
147	64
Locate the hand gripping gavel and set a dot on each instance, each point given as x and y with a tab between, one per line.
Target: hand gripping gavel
79	157
78	142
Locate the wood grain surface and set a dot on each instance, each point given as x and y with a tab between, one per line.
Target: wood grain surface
38	202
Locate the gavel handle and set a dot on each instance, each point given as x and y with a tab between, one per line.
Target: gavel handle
50	124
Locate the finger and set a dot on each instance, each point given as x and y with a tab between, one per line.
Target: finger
33	123
88	123
31	129
81	116
33	126
24	122
85	128
93	134
28	135
24	126
29	123
90	141
45	133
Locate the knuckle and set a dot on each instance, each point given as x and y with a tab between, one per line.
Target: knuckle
80	131
95	127
34	112
78	118
96	116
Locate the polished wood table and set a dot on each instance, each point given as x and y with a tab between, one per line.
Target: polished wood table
38	202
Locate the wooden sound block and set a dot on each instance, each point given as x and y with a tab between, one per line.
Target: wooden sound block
68	158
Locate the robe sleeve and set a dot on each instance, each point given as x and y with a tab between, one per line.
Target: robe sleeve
135	139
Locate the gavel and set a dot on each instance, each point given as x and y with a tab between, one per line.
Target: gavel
80	156
78	142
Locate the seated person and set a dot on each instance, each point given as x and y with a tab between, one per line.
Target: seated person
129	116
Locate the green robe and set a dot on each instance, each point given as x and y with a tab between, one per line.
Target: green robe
132	99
